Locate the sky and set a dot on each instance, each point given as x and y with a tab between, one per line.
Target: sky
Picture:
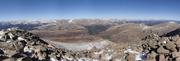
76	9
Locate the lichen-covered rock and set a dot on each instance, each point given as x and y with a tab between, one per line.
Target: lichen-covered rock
153	44
161	50
152	55
170	46
130	57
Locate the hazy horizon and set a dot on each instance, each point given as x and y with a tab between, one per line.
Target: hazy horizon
100	9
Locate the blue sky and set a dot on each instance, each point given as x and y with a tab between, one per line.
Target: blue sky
67	9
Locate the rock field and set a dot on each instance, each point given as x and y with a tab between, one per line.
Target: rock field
20	45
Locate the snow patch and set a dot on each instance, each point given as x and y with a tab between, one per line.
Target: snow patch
81	46
172	22
70	21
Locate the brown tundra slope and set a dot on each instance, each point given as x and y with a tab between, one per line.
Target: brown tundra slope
72	31
92	30
130	32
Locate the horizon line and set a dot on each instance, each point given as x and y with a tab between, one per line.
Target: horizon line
121	19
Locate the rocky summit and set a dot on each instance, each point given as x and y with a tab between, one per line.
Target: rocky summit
20	45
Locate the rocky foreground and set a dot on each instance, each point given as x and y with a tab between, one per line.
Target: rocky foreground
20	45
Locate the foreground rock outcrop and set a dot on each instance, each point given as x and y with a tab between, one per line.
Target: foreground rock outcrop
22	45
162	48
156	48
